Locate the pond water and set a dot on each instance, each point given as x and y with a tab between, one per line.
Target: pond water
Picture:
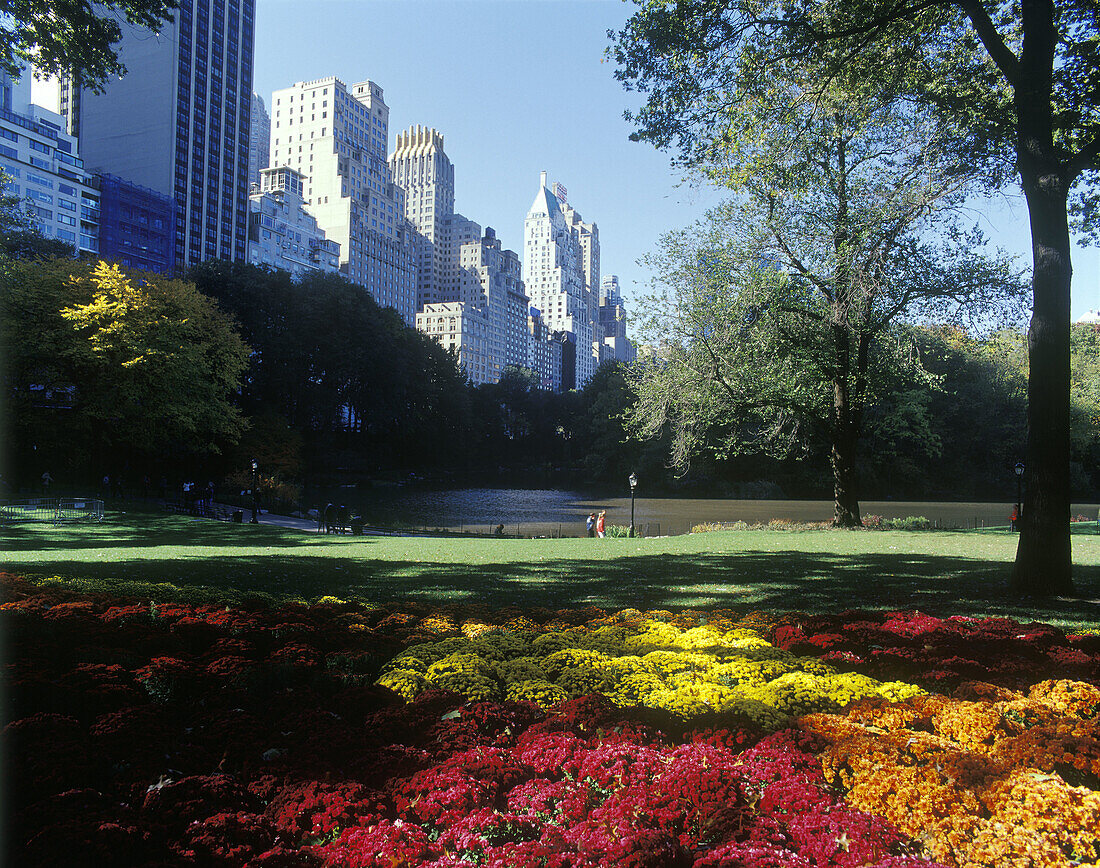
551	512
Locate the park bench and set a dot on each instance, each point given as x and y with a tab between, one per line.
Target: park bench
338	519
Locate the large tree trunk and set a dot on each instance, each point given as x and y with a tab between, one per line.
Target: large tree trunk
1043	558
843	460
845	485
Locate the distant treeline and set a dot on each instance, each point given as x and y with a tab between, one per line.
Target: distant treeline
131	374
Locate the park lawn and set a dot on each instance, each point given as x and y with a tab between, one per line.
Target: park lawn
818	570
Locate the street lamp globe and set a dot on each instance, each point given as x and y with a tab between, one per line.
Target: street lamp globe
1019	468
633	480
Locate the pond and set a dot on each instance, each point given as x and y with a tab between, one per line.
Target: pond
553	512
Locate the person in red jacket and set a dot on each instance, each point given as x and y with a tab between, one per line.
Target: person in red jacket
601	524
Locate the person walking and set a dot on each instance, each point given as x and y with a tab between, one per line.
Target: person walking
590	525
601	525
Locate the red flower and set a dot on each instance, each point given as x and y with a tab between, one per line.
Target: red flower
384	845
316	809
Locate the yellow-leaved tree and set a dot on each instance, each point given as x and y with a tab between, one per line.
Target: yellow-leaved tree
102	361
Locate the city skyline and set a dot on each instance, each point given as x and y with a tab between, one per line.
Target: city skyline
518	87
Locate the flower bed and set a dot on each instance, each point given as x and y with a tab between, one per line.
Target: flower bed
150	734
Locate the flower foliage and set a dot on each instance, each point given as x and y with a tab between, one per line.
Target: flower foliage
301	736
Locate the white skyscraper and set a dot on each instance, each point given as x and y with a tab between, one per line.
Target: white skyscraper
615	345
336	139
421	168
554	276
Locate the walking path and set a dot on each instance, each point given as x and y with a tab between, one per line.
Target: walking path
304	524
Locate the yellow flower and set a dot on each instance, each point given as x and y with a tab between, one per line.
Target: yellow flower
542	693
401	681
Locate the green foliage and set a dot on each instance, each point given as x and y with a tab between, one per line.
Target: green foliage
345	374
1005	80
1085	407
74	37
103	359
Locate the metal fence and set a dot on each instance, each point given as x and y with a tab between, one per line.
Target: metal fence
52	510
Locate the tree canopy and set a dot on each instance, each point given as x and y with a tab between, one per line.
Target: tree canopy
347	374
1014	80
75	37
105	363
782	306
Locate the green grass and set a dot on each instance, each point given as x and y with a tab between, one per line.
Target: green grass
816	570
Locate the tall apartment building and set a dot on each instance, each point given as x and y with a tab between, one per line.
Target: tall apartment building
178	122
614	344
282	234
588	236
44	168
421	168
491	280
336	138
486	322
554	276
544	353
259	140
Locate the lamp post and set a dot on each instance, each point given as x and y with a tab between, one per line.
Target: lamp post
1019	468
255	494
633	480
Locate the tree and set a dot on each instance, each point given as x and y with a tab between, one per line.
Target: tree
1018	79
113	362
826	249
74	37
360	386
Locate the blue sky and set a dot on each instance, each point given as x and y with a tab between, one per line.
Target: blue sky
521	86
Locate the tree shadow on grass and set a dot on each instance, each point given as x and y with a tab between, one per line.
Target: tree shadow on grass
745	580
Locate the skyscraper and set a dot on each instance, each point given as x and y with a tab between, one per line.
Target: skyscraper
336	139
259	140
612	323
178	122
554	275
421	168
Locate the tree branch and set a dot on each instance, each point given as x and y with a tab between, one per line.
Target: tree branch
1007	62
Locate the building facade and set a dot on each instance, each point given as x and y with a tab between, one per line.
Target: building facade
137	226
179	121
44	168
259	140
486	325
588	237
421	168
615	345
490	279
544	352
281	233
336	138
554	278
